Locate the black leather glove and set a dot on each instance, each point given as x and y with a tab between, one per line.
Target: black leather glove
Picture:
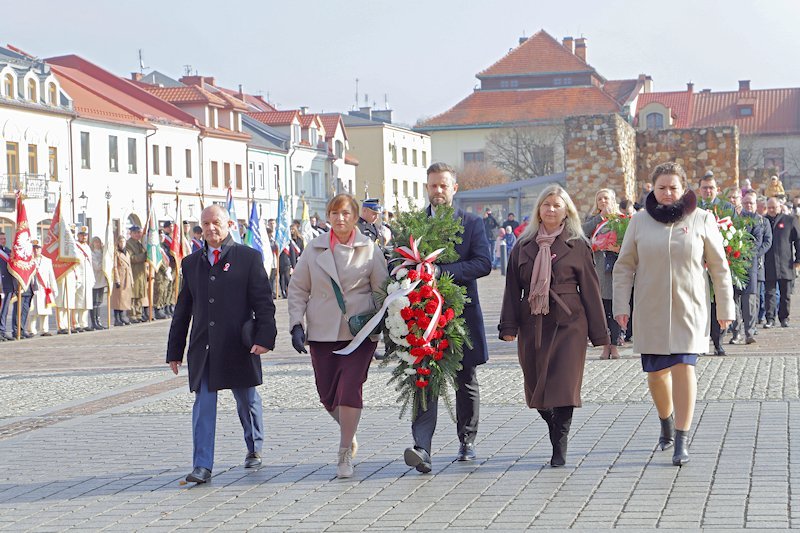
299	339
117	285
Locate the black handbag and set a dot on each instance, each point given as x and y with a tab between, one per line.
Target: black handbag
356	322
249	332
610	261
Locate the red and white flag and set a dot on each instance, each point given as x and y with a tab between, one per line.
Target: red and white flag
59	245
21	264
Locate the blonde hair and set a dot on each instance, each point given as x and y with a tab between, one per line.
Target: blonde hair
572	224
614	209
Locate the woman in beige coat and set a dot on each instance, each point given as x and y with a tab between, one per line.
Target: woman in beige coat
664	255
122	292
355	265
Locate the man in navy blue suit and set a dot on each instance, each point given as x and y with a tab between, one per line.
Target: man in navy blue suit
475	262
225	288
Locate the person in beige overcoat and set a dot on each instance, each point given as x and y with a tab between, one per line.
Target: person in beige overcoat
552	340
356	265
122	292
665	253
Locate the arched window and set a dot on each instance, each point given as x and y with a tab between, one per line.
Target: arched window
8	227
41	230
52	93
8	86
655	121
32	96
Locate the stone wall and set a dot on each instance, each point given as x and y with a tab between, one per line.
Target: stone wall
600	152
697	150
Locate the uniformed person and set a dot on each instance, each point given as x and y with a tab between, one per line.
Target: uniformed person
162	288
369	222
138	254
84	276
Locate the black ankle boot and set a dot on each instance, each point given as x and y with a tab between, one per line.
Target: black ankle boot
97	324
681	455
667	438
559	434
118	318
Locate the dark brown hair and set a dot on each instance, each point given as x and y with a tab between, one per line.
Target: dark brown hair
338	201
667	168
441	167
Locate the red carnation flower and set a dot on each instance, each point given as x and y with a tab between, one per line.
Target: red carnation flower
412	339
430	307
422	371
407	313
424	322
410	324
450	314
442	321
421	383
729	249
438	334
438	356
417	352
426	277
412	275
428	350
737	254
444	344
414	297
426	291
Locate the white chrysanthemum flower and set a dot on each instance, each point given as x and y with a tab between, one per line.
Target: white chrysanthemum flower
405	284
393	286
403	272
410	371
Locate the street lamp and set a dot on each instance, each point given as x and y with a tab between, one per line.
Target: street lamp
84	204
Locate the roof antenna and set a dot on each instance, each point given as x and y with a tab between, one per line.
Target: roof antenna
141	63
187	70
385	101
356	93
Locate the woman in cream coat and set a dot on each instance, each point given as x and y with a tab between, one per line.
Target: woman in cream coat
664	255
356	265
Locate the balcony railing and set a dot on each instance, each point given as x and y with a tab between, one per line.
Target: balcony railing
32	185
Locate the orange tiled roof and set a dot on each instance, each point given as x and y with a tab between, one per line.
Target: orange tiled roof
255	101
276	118
186	95
526	106
307	120
350	160
330	122
775	111
91	104
233	101
620	90
539	54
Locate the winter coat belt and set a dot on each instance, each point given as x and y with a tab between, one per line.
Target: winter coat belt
555	290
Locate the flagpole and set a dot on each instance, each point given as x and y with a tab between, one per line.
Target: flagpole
19	311
111	283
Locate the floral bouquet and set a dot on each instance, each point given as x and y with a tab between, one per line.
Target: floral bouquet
618	225
424	332
739	247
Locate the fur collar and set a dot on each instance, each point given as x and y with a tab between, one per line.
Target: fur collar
667	214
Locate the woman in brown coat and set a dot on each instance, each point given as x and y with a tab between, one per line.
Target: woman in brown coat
552	301
122	292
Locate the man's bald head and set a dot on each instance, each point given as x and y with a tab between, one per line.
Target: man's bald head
216	224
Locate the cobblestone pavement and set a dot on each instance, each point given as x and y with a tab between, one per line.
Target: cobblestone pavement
95	434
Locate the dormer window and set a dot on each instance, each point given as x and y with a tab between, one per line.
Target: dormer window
212	117
655	121
296	133
8	86
746	111
32	94
53	93
312	136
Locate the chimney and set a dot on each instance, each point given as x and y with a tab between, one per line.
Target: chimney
580	48
706	91
304	110
648	84
136	76
522	40
690	87
241	93
744	85
366	111
191	80
569	44
382	115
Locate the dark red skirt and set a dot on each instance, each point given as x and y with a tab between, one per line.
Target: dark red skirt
340	378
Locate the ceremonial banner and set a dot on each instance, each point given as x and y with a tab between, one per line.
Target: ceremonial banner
21	264
59	244
253	238
282	230
305	226
177	245
154	254
237	238
108	250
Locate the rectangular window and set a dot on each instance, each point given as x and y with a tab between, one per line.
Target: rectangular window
276	172
296	133
113	155
425	159
85	155
156	162
168	159
298	182
773	159
262	184
350	186
251	174
473	157
131	155
405	156
188	163
33	159
393	150
226	169
414	157
12	158
405	189
239	185
52	159
315	185
394	187
214	174
416	190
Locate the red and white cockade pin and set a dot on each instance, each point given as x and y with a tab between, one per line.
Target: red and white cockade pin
780	225
685	230
553	256
226	267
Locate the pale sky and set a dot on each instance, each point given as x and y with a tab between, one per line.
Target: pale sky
423	54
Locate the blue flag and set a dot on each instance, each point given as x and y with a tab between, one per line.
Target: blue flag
237	238
253	237
282	230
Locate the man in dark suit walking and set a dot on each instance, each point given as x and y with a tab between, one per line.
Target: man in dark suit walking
780	261
475	262
224	288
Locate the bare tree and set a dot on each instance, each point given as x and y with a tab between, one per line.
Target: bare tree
524	152
479	175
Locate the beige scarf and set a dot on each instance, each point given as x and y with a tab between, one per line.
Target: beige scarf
539	297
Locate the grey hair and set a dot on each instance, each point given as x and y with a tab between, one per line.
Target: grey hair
218	209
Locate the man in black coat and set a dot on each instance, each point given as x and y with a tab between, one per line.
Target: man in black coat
747	297
7	287
475	262
780	261
225	287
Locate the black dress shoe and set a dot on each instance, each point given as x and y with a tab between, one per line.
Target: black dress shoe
466	452
47	334
784	323
418	458
199	475
62	332
719	350
252	460
770	323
